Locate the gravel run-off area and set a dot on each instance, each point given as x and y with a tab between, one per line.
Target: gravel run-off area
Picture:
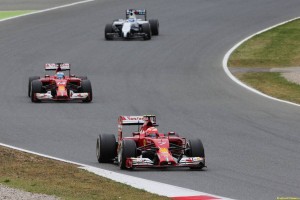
7	193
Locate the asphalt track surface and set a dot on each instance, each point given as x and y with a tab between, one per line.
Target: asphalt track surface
251	142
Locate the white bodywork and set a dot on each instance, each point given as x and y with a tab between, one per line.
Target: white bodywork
129	24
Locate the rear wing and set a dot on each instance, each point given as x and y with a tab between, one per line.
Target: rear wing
136	120
57	67
133	120
141	12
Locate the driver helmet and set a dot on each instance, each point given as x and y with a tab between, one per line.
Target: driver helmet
60	75
132	15
152	132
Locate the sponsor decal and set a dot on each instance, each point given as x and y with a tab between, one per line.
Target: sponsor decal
163	150
61	87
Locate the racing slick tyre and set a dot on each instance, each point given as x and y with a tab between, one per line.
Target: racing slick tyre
36	87
147	30
195	149
154	24
127	150
106	148
86	86
32	78
107	31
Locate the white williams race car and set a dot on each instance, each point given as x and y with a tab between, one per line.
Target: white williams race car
132	27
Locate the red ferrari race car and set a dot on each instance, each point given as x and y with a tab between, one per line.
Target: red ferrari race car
149	148
58	86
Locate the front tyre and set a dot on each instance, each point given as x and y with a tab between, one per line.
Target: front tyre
127	150
106	148
36	87
107	32
195	149
147	31
154	24
32	78
86	86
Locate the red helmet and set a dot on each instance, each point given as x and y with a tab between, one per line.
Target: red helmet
152	132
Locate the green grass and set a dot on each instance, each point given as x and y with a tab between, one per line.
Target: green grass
273	84
40	175
7	14
279	47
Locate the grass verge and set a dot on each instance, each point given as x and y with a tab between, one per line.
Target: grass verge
278	47
7	14
273	84
45	176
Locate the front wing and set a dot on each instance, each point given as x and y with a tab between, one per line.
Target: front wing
133	36
183	162
73	96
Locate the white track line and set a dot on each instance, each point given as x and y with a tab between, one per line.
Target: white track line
227	55
162	189
46	10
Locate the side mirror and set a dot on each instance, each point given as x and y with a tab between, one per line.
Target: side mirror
135	133
173	134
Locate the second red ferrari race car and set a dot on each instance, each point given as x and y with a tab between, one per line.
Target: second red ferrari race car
59	87
149	148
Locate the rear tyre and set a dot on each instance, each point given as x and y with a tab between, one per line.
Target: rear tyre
195	149
147	30
127	150
32	78
108	30
106	148
36	87
86	86
154	24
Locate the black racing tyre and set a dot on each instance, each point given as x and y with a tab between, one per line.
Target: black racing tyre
36	87
127	150
86	86
154	24
106	149
82	77
147	30
107	31
195	149
31	78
